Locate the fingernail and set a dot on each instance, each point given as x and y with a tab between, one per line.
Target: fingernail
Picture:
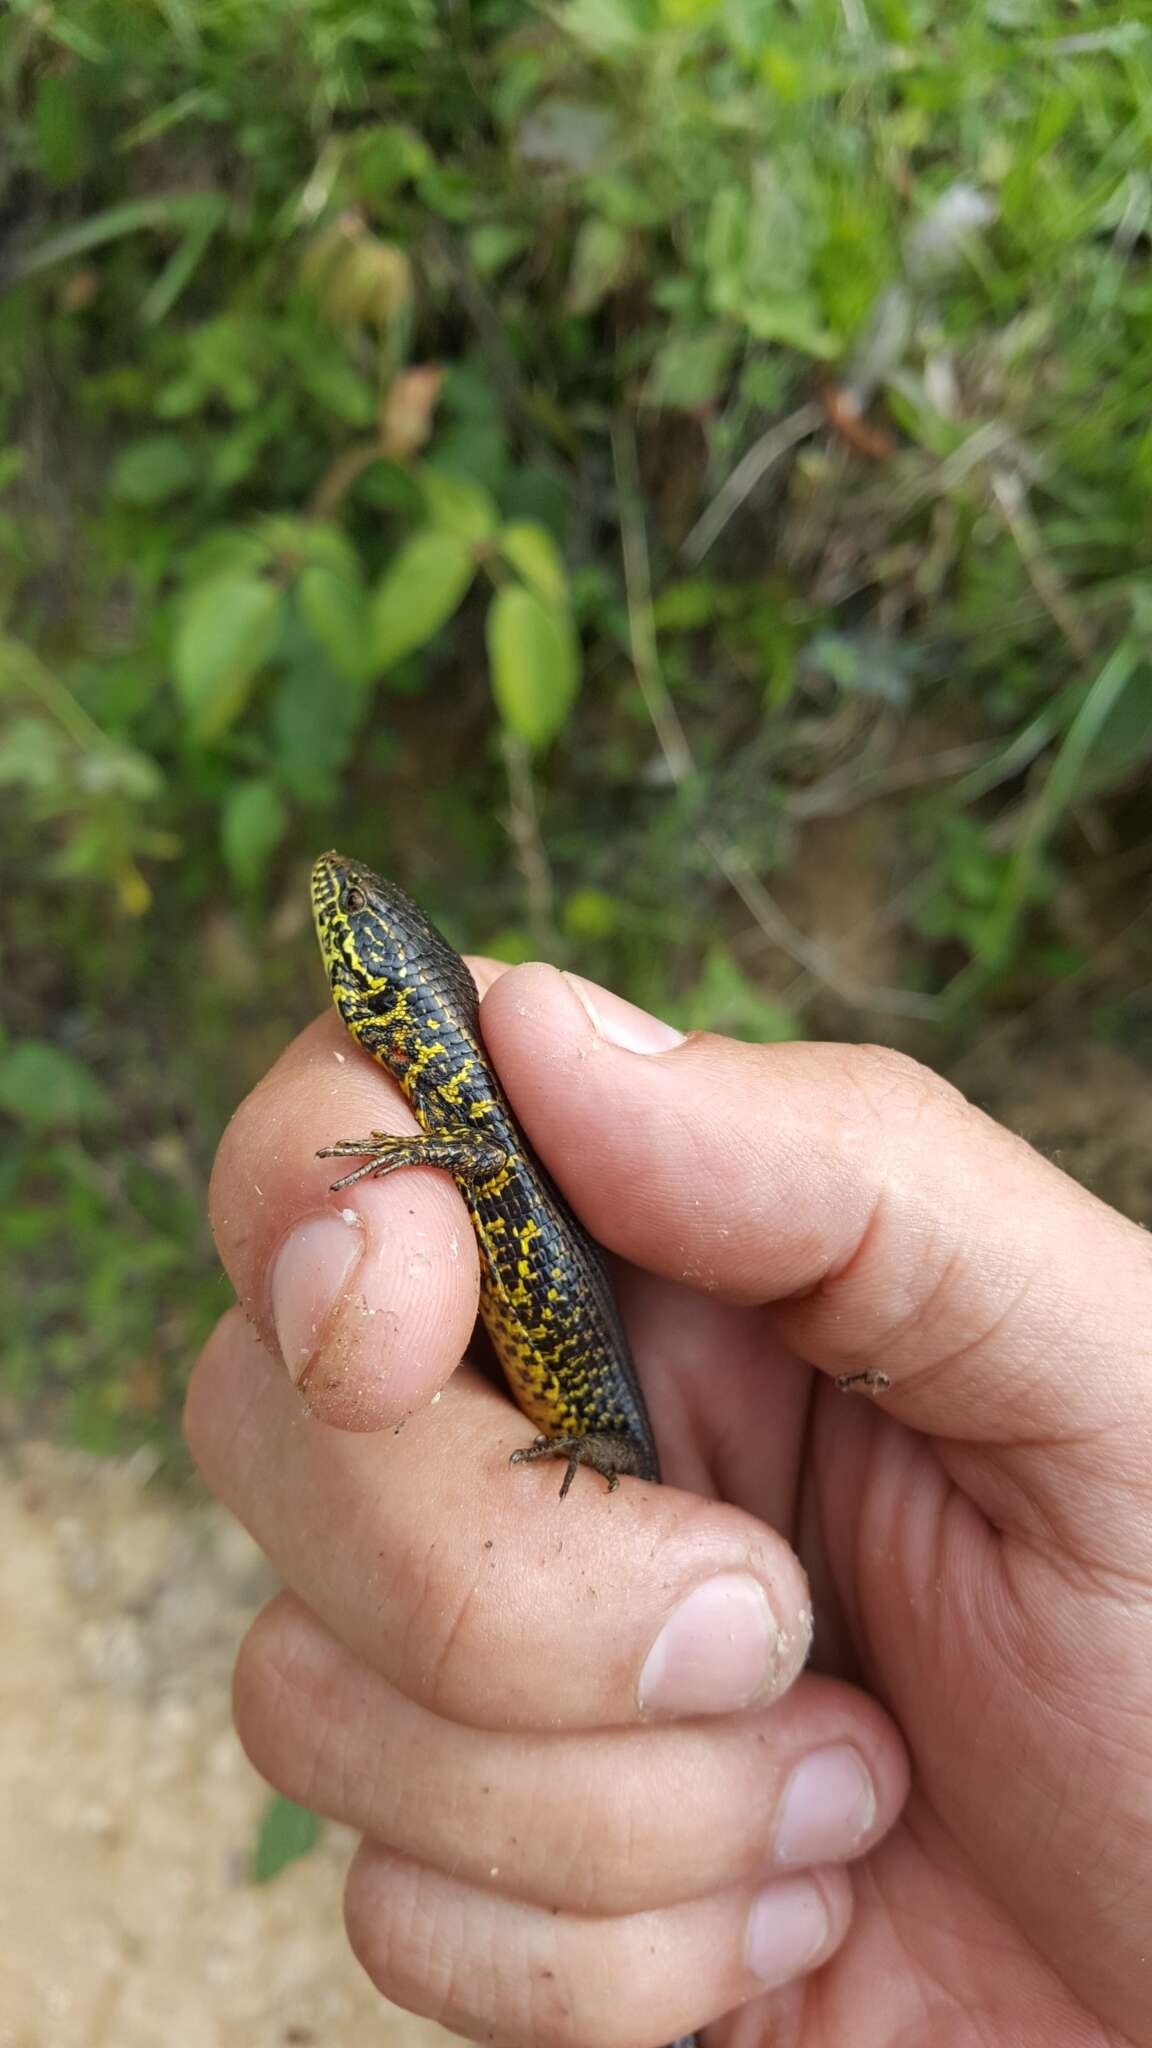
715	1653
828	1807
621	1023
311	1268
787	1930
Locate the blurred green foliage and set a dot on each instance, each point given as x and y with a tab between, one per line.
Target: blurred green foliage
567	454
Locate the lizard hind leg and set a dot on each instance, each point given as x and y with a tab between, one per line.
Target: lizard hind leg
610	1454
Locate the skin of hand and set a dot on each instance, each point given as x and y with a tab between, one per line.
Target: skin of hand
604	1791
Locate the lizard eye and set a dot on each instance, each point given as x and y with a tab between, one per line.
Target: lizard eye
354	900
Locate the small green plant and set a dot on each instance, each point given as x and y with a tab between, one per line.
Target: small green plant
582	456
286	1833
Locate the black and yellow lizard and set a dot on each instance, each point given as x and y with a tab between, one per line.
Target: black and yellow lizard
408	998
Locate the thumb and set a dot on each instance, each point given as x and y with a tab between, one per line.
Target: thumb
895	1228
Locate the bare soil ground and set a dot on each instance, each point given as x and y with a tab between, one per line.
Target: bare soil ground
127	1916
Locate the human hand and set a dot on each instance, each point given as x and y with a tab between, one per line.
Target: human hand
570	1833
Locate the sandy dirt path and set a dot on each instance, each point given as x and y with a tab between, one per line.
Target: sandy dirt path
127	1918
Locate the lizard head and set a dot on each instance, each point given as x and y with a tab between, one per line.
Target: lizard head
386	963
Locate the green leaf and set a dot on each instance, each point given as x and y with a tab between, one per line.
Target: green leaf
225	631
725	1000
1066	777
329	547
386	157
1123	740
49	1089
153	470
252	825
608	25
591	914
227	551
686	606
750	23
449	191
180	16
33	754
57	28
58	120
495	244
317	715
337	385
179	271
176	209
418	594
458	506
316	719
512	946
475	452
793	320
600	263
286	1833
532	552
534	663
690	370
335	608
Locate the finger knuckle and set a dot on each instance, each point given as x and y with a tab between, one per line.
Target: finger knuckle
451	1956
449	1626
273	1711
399	1937
898	1088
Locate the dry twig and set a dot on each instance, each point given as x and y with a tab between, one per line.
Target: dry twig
748	472
523	823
